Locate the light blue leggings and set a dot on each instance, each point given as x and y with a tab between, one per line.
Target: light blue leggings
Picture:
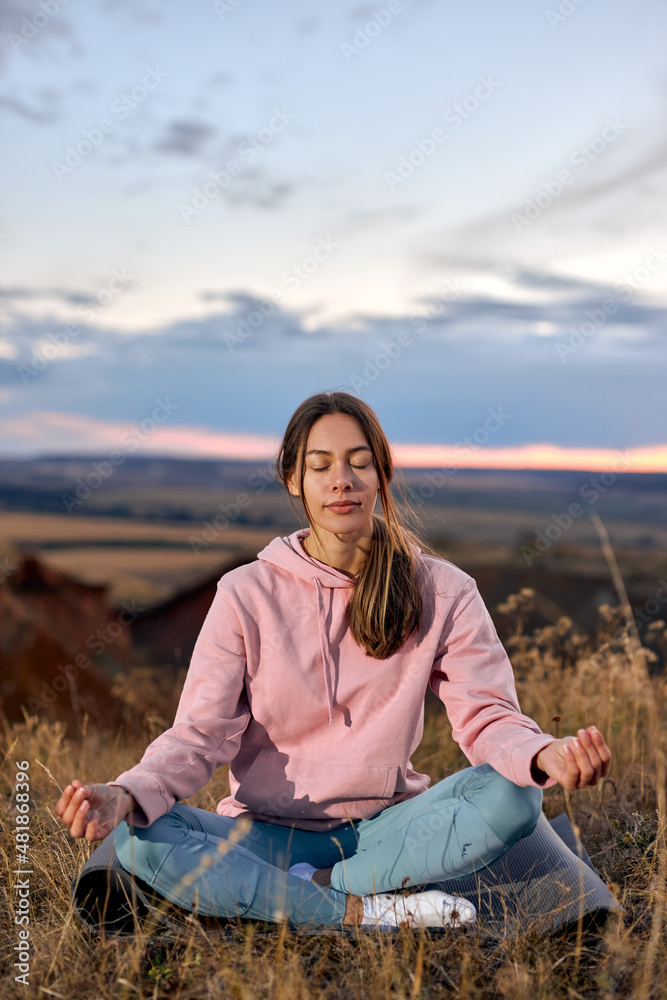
207	863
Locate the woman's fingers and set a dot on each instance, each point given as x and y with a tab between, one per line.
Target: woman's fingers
93	828
80	817
64	800
598	752
570	778
593	762
72	804
592	755
584	763
92	811
576	761
602	749
73	808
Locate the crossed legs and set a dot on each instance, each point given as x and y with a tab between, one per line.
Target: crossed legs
201	860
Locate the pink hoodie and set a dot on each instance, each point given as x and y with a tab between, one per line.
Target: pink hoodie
316	730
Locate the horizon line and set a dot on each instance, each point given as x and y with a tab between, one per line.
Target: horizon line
41	435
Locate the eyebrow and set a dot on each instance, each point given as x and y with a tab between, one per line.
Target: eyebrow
320	451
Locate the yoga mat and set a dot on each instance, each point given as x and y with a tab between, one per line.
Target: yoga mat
545	882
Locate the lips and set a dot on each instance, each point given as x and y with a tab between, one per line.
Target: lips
346	503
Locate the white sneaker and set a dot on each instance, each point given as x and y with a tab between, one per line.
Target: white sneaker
432	908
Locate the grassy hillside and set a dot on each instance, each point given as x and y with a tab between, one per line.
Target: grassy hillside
622	823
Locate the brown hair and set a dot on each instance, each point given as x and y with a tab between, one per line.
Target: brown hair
386	605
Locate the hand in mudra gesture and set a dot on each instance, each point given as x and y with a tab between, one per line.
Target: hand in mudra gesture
576	761
92	811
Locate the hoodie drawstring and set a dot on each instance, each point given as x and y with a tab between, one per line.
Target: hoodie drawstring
324	646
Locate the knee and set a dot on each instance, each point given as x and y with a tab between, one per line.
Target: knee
122	845
526	806
512	811
136	848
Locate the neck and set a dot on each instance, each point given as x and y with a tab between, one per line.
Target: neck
346	554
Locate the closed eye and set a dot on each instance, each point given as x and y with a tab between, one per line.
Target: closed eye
325	467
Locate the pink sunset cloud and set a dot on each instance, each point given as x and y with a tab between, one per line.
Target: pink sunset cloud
44	432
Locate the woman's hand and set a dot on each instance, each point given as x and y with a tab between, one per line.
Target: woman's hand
92	811
576	761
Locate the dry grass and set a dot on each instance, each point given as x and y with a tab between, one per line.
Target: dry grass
602	679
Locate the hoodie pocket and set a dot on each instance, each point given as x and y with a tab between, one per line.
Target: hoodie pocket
277	784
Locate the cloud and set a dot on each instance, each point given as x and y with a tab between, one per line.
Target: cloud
307	26
45	116
39	433
569	307
360	12
18	293
147	11
54	432
630	181
221	79
24	38
595	207
367	220
185	138
529	278
241	370
367	12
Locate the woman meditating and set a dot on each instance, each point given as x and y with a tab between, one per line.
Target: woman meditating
309	677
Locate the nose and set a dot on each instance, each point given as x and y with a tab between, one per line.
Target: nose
342	479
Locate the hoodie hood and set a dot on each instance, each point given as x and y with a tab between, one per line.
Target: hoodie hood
289	554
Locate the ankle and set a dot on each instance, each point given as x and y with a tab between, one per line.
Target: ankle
354	911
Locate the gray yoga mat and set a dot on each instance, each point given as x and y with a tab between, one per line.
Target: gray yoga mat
546	882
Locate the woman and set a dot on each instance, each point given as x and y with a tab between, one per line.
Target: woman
308	677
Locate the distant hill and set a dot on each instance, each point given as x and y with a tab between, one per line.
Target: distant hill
180	489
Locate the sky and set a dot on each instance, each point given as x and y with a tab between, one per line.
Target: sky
211	211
